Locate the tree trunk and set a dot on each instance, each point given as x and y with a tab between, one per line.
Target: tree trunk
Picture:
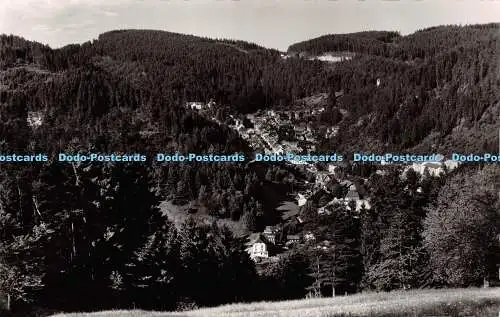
333	290
8	301
35	203
73	240
486	283
77	177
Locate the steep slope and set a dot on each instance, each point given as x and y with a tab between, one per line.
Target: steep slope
435	89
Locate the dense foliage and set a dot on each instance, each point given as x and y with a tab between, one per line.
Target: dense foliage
439	88
97	229
370	42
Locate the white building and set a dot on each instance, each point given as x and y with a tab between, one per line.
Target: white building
270	233
451	164
362	203
309	236
434	168
301	200
35	118
332	168
257	247
195	105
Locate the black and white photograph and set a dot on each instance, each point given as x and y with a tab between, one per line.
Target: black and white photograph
249	158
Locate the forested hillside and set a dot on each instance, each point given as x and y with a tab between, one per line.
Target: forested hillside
439	88
96	228
370	42
98	225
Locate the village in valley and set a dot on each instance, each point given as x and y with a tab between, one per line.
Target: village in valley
298	130
162	173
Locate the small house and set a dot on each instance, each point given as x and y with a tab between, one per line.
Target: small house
450	164
257	247
434	168
352	195
322	177
324	245
292	239
35	118
270	233
196	105
324	211
301	200
309	236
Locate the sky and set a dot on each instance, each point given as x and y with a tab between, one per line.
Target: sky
271	23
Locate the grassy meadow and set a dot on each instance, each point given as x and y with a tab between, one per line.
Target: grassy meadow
430	303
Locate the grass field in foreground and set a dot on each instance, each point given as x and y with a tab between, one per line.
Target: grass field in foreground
446	302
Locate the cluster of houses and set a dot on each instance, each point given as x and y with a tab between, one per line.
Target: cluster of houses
352	199
334	57
264	133
269	243
198	105
266	246
330	57
352	196
434	168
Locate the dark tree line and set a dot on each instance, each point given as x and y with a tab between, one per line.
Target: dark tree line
411	237
97	230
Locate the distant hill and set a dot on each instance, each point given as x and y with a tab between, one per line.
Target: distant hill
370	42
435	89
240	74
151	72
